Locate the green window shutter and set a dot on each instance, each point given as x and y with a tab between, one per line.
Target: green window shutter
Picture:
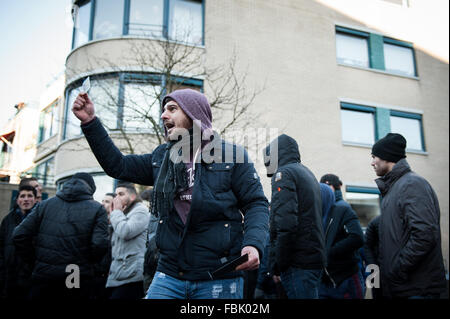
376	51
383	122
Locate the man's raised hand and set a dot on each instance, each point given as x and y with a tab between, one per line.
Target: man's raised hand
83	108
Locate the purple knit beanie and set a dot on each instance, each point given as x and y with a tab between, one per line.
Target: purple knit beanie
194	104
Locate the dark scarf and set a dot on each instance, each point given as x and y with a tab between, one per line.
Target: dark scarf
172	177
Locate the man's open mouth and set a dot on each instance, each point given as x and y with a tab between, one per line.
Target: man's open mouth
169	126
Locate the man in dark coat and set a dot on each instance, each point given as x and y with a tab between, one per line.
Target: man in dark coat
67	235
343	237
411	262
297	245
211	207
15	273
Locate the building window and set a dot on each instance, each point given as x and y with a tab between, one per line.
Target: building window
48	125
141	104
45	172
108	19
185	22
410	126
365	201
180	20
82	23
6	149
371	50
352	49
358	124
363	125
71	124
128	101
399	57
146	18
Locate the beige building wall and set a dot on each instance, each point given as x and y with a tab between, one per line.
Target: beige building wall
289	48
292	46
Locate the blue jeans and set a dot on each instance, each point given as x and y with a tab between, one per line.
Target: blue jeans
164	286
301	283
351	288
425	297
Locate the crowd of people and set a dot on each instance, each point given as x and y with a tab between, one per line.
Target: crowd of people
209	231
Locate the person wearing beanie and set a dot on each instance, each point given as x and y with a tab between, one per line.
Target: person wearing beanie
211	207
66	234
335	183
410	254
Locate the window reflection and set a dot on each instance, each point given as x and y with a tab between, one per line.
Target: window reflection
411	129
358	127
352	50
72	125
141	102
399	59
186	21
82	20
146	18
365	205
108	19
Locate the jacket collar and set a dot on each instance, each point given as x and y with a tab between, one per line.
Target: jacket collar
385	183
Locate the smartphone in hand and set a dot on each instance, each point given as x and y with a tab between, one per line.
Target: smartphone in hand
228	267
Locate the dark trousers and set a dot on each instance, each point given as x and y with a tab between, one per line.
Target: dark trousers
351	288
53	289
132	290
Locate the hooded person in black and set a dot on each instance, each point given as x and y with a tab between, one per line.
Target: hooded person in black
343	236
297	245
64	235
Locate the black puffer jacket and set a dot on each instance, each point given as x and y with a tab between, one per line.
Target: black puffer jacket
70	228
296	232
410	235
14	272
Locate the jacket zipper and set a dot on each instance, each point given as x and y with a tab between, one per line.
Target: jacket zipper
325	268
329	276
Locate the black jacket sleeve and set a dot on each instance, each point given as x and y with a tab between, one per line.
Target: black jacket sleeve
371	241
284	211
132	168
24	234
354	238
3	235
100	236
252	203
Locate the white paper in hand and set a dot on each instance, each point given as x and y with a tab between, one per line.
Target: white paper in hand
86	85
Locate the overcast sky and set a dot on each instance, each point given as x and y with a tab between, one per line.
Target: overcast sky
35	40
